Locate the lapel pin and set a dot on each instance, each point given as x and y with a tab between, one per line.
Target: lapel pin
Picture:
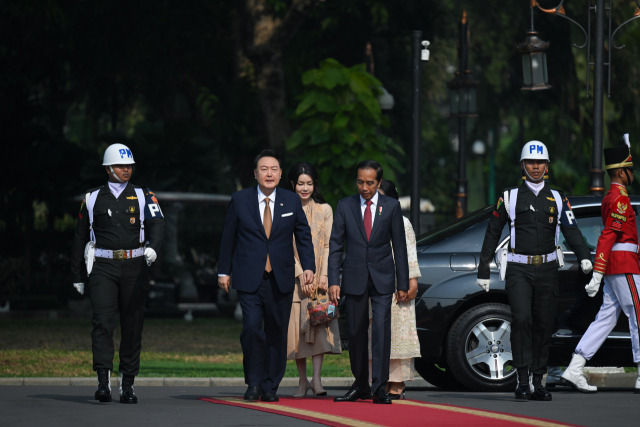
380	210
281	204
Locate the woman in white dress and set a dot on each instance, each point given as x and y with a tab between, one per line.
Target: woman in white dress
404	336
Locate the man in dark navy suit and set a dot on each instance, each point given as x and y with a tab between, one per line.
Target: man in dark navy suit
257	246
369	224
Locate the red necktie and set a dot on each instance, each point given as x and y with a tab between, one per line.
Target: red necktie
367	219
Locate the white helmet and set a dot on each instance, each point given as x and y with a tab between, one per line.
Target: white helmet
534	150
117	154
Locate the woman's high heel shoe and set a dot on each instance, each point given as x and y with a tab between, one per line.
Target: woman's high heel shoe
302	389
317	391
394	396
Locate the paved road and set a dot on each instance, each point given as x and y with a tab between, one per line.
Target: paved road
178	405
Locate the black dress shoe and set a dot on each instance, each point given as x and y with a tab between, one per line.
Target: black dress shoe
253	393
269	397
352	395
523	392
381	397
540	393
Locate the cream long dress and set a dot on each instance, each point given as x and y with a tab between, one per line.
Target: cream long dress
303	339
404	335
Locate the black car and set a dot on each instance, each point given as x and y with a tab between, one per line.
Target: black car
465	332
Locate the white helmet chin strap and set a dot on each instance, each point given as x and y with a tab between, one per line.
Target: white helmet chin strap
529	176
114	175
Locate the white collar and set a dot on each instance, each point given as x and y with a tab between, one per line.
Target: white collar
535	186
271	197
374	199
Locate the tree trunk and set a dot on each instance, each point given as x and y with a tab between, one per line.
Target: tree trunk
266	36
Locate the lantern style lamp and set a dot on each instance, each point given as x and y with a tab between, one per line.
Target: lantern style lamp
534	62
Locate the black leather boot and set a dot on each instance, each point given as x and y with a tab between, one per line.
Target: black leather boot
103	394
126	390
539	392
523	389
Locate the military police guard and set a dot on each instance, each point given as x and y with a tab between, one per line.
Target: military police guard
536	214
119	232
616	262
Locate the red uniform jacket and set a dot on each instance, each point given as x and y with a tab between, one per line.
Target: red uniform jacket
619	227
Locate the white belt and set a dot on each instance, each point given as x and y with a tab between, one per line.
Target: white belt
120	253
532	259
626	247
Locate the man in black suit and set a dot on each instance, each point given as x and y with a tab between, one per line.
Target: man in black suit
369	224
257	246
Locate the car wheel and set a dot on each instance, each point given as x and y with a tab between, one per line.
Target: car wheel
479	348
436	374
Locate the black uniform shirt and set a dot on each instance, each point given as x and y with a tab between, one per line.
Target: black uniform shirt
535	227
116	224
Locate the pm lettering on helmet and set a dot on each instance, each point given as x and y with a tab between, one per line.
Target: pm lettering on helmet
125	153
536	148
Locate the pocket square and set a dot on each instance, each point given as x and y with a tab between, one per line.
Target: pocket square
287	214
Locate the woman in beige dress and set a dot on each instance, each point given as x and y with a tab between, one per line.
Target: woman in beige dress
305	340
404	335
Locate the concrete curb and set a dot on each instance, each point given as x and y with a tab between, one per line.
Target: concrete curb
599	379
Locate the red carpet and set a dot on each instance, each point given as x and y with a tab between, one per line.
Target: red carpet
364	413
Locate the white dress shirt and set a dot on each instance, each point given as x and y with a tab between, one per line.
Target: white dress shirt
262	205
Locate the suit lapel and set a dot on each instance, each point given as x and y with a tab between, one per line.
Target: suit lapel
254	210
357	214
277	207
379	212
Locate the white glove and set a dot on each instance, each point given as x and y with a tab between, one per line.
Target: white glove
593	286
79	287
484	284
586	266
150	255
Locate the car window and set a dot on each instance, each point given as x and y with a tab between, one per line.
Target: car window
590	223
590	228
455	227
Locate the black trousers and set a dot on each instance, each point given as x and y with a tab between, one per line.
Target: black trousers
117	289
357	307
265	323
533	297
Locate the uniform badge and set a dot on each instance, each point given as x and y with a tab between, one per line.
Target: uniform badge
500	201
132	220
551	198
623	192
622	207
552	209
131	209
132	198
551	219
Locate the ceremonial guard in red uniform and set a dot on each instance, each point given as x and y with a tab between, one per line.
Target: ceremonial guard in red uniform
617	263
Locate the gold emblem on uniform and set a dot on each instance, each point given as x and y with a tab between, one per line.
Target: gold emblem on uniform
132	209
132	198
622	207
132	220
551	198
623	192
552	209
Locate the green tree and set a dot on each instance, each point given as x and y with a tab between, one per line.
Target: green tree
340	125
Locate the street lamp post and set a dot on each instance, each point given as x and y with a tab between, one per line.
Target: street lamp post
596	185
420	53
463	104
